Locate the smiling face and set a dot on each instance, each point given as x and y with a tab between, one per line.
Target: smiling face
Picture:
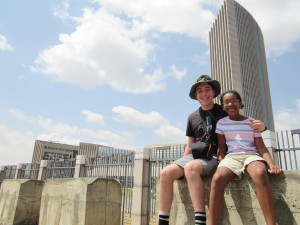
205	95
231	104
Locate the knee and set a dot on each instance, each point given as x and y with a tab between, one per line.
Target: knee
166	175
217	181
260	176
193	169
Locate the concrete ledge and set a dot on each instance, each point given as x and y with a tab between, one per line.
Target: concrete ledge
81	201
240	203
20	201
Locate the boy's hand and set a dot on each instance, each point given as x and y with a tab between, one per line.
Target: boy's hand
274	169
258	125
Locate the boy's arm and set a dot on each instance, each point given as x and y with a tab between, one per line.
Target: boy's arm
258	125
188	149
221	146
263	151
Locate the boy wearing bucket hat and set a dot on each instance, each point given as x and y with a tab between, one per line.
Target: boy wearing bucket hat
201	127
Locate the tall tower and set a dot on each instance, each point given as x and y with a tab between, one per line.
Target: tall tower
238	60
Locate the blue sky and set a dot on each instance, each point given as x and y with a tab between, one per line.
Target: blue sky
118	72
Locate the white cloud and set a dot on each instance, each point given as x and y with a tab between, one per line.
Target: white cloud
61	10
171	133
15	147
177	73
93	117
288	119
19	114
104	38
71	132
103	50
4	45
186	17
133	116
61	132
120	32
57	137
279	22
151	120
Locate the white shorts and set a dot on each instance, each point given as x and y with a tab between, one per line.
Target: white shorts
237	163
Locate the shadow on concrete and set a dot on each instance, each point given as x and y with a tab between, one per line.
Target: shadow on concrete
283	213
241	197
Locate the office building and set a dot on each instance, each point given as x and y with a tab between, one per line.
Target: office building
238	61
48	150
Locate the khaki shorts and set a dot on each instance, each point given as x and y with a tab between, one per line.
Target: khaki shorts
237	163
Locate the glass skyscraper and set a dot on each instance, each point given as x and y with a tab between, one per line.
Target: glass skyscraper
238	60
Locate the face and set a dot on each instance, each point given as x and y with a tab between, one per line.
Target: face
205	95
231	104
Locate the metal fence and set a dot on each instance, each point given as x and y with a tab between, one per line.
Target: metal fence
288	153
60	168
160	157
29	171
117	165
10	171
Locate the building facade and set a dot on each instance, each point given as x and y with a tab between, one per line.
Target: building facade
238	61
48	150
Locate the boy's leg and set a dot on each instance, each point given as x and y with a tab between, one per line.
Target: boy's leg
193	171
167	177
219	181
259	175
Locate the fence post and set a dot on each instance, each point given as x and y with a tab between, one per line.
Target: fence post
19	171
43	170
80	166
2	173
269	138
140	198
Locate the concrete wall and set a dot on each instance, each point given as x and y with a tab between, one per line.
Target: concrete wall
20	201
82	201
240	203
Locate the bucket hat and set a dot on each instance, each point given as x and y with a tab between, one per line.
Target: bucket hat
205	79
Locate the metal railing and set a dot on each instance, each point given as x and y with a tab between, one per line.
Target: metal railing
60	168
10	172
118	166
29	171
287	152
160	157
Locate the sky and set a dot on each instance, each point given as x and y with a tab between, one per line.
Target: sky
118	73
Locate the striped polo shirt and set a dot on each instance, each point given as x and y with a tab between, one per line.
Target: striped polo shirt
239	135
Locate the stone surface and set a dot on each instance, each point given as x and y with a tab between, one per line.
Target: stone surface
240	203
20	201
82	201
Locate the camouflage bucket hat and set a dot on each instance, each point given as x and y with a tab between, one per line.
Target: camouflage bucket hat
205	79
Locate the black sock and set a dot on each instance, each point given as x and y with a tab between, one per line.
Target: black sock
200	218
163	218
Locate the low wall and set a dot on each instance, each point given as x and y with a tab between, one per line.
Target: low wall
20	201
82	201
240	203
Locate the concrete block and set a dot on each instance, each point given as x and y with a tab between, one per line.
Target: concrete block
81	201
240	202
20	201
